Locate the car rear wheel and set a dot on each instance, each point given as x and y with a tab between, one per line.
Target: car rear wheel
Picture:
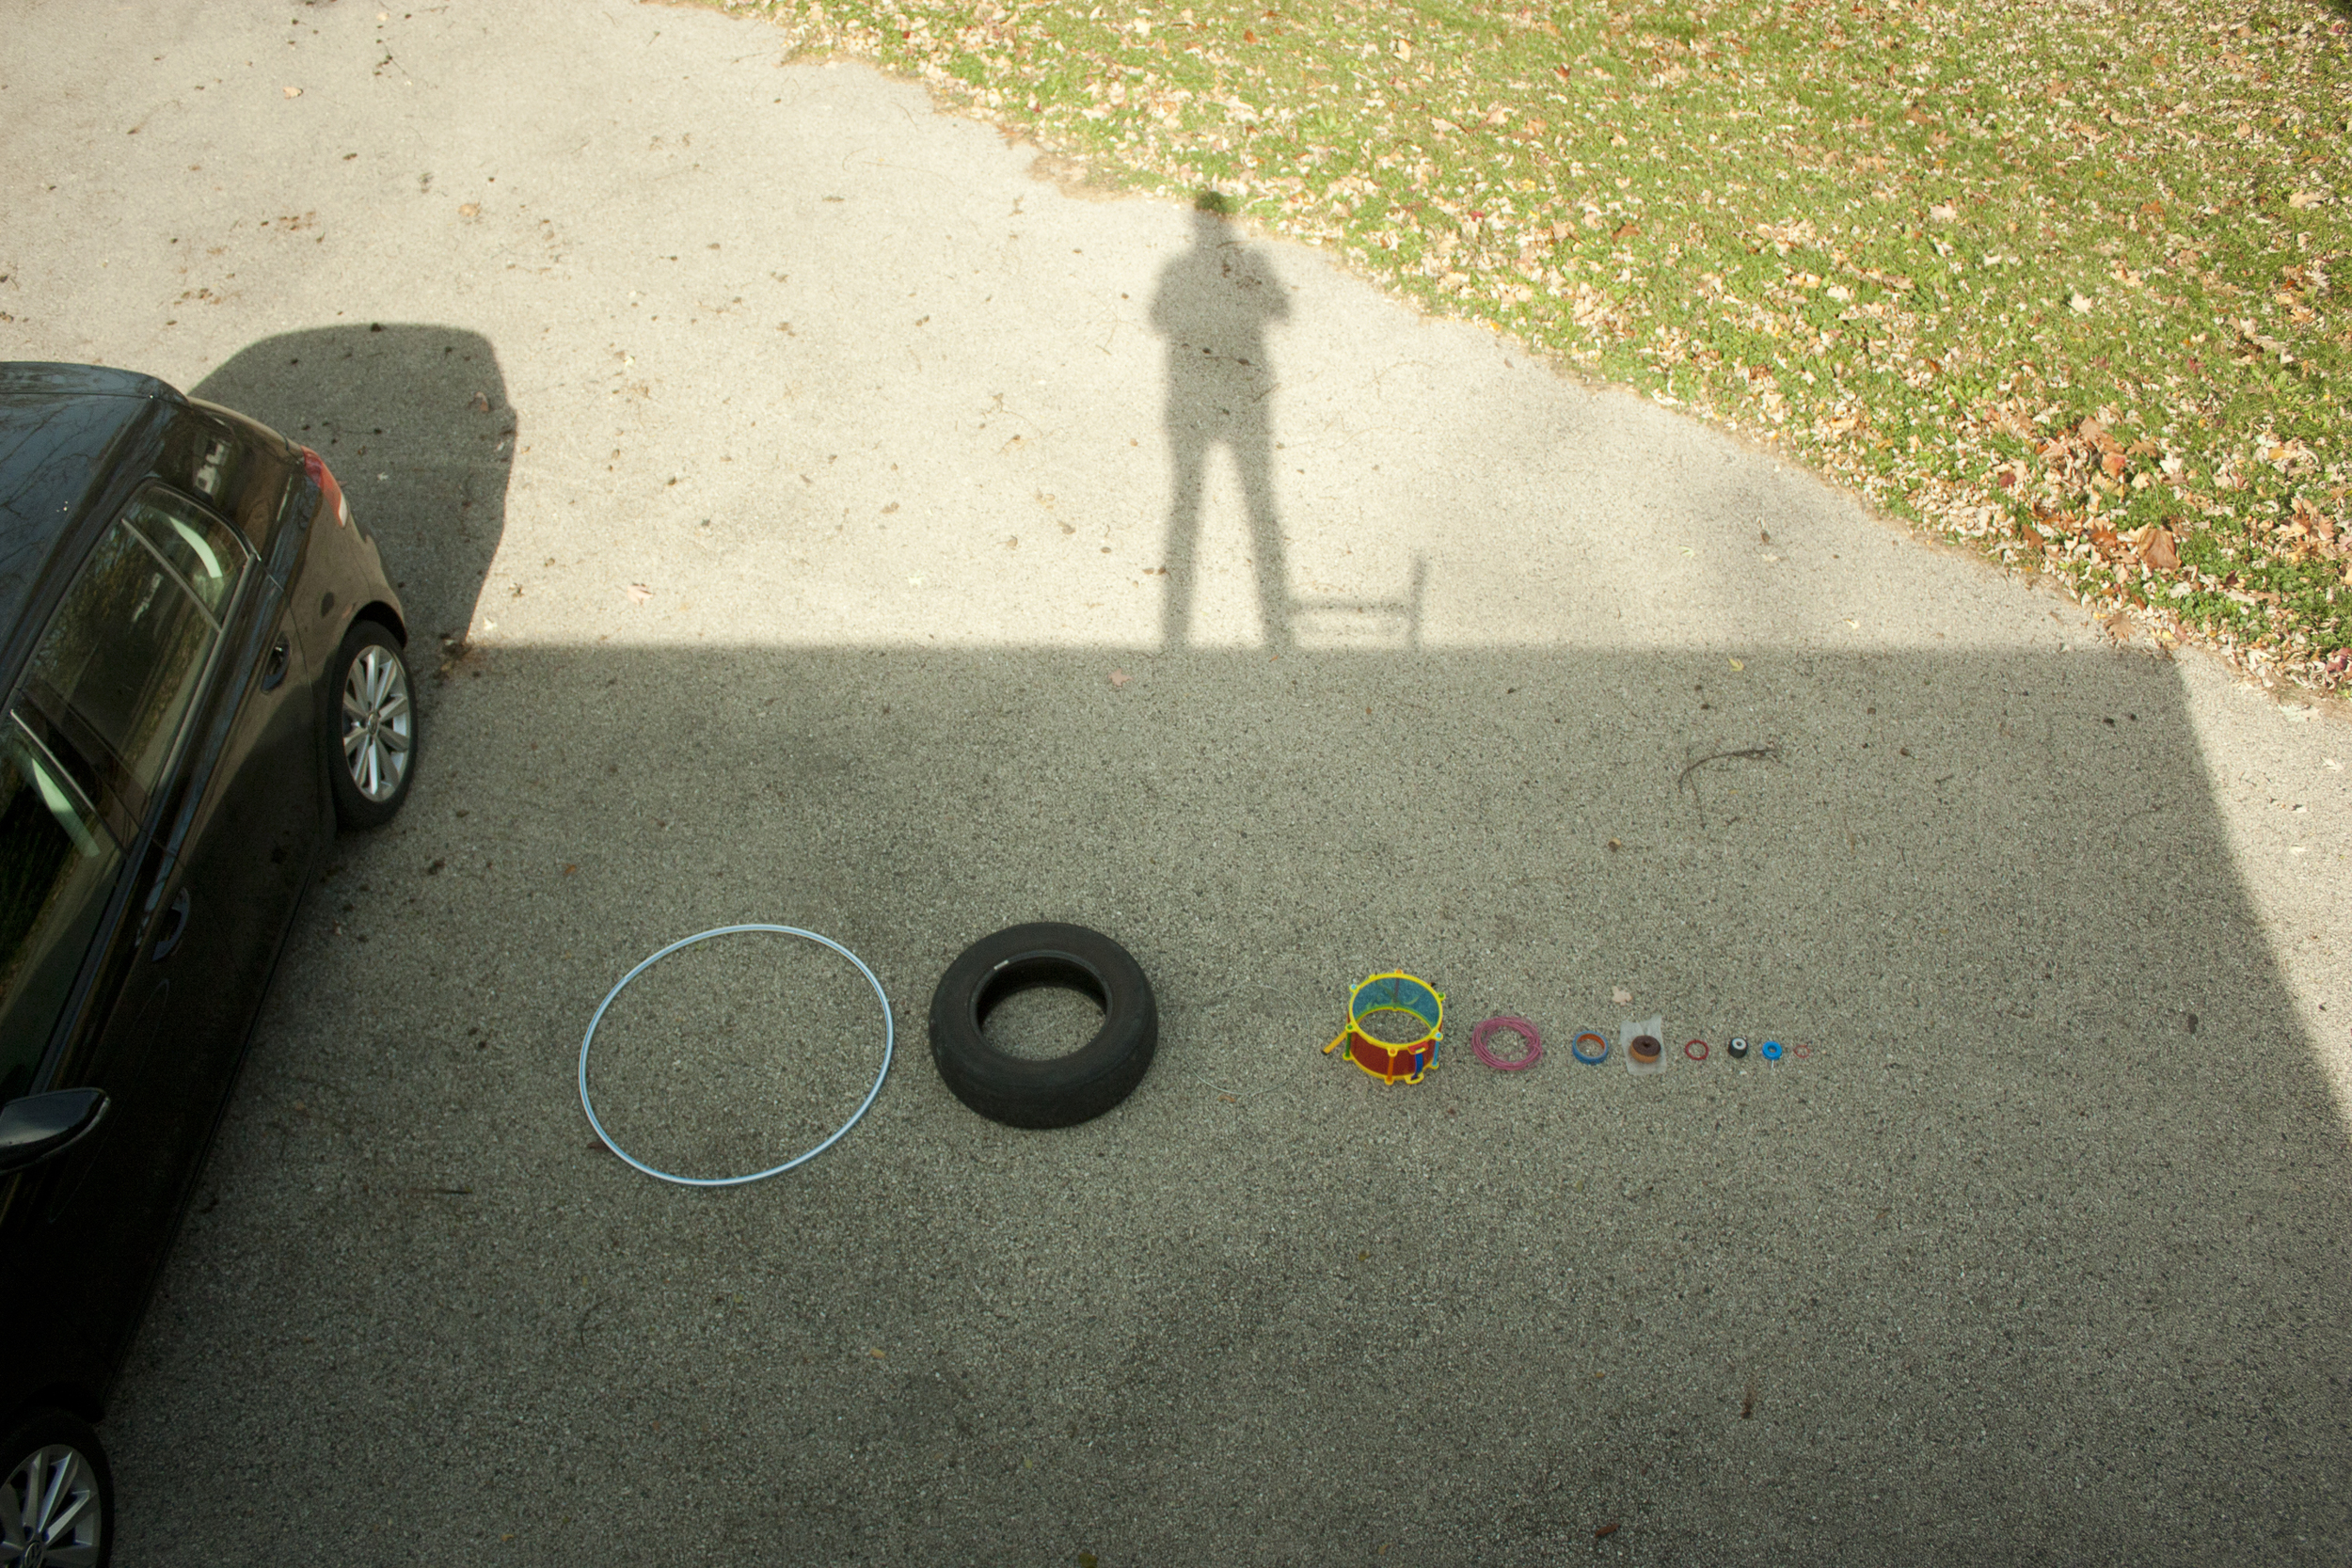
56	1495
374	732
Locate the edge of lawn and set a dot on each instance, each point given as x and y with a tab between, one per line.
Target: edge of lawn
1960	397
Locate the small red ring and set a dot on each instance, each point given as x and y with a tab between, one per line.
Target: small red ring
1801	1050
1701	1055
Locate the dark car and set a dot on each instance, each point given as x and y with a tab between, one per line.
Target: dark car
202	661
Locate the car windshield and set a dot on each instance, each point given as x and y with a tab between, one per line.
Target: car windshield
58	864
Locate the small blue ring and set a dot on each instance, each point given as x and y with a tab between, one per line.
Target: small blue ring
1576	1048
1772	1051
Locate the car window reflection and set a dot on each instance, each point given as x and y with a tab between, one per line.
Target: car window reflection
203	555
58	864
126	650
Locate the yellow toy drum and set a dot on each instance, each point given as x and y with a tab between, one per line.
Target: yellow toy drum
1389	1061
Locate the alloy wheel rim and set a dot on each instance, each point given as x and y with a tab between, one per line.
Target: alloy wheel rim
49	1511
377	722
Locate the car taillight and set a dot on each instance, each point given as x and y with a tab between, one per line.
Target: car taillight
330	493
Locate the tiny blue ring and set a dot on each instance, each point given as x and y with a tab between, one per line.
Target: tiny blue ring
889	1040
1772	1051
1576	1048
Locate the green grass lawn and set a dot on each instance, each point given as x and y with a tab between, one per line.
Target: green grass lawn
2072	281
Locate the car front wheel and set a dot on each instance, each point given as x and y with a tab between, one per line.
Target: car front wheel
56	1495
374	733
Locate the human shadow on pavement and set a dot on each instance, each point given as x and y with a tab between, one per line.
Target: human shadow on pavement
1214	305
413	421
2037	1233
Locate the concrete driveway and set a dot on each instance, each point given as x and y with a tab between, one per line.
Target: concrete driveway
833	523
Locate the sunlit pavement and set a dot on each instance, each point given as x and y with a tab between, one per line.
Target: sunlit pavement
808	515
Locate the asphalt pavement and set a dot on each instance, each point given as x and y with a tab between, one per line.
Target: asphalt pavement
809	513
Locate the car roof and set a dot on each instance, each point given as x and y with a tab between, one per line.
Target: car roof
65	431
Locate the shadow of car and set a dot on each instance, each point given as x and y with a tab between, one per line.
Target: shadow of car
204	669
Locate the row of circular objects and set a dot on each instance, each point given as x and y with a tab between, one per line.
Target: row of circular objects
1066	1090
1394	1061
1645	1048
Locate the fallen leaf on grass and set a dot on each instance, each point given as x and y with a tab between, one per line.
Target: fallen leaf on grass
2156	548
2079	303
2314	520
2306	199
638	593
1119	678
1944	211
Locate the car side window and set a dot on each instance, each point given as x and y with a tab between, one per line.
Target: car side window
57	864
127	649
85	742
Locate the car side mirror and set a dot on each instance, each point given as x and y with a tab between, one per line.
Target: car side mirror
39	1125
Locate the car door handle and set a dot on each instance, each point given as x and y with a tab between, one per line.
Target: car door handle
170	929
274	672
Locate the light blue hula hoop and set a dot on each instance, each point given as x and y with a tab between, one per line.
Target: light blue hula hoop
889	1040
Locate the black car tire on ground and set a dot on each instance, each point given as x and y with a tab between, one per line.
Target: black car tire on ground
53	1436
358	694
1060	1091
